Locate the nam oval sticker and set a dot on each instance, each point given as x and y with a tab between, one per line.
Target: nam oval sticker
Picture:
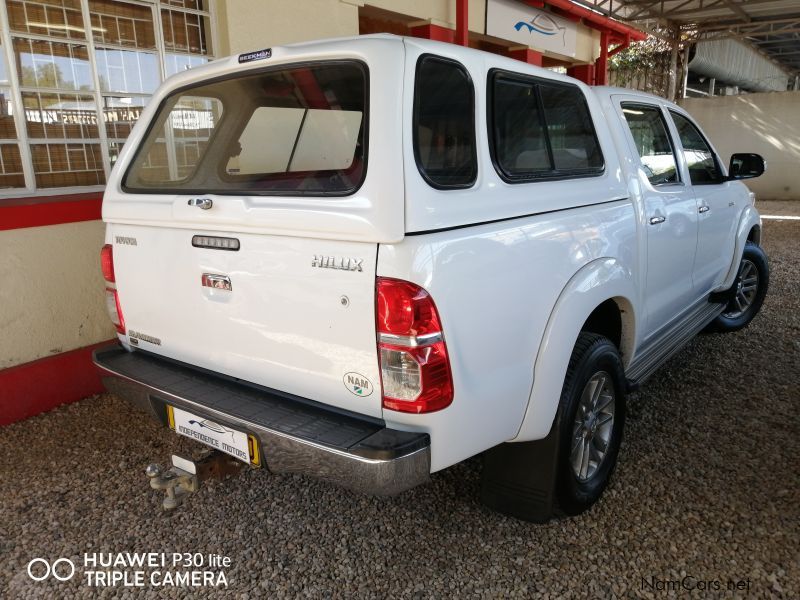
357	384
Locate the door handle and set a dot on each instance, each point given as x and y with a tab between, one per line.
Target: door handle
657	220
204	203
218	282
704	209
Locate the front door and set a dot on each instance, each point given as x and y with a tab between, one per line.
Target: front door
670	216
717	208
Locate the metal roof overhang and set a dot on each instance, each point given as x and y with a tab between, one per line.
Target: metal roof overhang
772	27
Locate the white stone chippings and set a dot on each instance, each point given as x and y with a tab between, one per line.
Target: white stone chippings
707	486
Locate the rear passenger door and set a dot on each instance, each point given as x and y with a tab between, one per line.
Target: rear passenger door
716	202
670	215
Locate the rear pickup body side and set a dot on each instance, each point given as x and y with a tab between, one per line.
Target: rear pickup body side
494	328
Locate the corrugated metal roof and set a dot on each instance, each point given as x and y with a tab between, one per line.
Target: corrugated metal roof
733	62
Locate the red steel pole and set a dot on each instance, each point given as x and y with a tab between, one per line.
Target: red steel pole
462	22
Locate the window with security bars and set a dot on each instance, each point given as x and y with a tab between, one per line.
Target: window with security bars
79	76
11	172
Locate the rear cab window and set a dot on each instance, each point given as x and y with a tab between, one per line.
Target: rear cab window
292	130
540	129
444	123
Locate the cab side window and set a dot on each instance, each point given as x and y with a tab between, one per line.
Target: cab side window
540	129
703	166
653	143
444	123
570	130
519	138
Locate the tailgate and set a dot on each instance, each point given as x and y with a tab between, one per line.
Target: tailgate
288	322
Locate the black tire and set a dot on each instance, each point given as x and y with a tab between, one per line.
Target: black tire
733	319
594	359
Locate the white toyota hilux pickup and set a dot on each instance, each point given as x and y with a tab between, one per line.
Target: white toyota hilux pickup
368	259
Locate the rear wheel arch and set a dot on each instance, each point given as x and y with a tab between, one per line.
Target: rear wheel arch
614	319
596	283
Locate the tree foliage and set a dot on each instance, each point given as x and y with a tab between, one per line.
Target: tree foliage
640	56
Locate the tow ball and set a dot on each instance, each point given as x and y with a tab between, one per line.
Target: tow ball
186	476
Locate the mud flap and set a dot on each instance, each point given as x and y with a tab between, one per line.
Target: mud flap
519	480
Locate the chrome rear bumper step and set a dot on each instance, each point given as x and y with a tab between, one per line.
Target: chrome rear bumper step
296	435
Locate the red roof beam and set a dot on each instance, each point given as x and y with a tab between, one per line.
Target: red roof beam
623	44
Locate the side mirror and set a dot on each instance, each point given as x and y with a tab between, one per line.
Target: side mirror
746	165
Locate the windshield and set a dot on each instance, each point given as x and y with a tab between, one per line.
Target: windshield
293	130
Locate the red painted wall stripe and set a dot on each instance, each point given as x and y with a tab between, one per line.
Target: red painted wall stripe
18	213
41	385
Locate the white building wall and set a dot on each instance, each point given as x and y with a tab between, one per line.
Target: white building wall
52	296
254	24
768	124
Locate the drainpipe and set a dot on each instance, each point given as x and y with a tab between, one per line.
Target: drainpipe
462	22
601	64
685	67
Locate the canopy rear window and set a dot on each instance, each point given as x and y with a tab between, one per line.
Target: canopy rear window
296	130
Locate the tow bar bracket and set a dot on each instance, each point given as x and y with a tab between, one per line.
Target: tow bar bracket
186	476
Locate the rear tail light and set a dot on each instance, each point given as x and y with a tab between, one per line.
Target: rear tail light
107	263
112	297
415	368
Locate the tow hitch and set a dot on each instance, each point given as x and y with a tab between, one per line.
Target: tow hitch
186	476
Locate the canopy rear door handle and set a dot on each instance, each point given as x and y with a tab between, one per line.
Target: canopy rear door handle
704	209
657	220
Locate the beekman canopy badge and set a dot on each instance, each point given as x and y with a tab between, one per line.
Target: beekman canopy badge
257	55
357	384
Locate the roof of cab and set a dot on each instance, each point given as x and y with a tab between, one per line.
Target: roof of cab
607	90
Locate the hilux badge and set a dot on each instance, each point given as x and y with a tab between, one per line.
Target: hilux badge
337	262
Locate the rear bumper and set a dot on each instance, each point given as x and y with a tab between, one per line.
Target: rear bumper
296	435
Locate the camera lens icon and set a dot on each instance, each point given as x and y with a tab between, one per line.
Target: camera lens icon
40	569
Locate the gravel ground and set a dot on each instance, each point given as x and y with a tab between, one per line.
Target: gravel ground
707	487
778	207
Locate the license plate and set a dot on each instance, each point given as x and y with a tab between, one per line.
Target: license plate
215	435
